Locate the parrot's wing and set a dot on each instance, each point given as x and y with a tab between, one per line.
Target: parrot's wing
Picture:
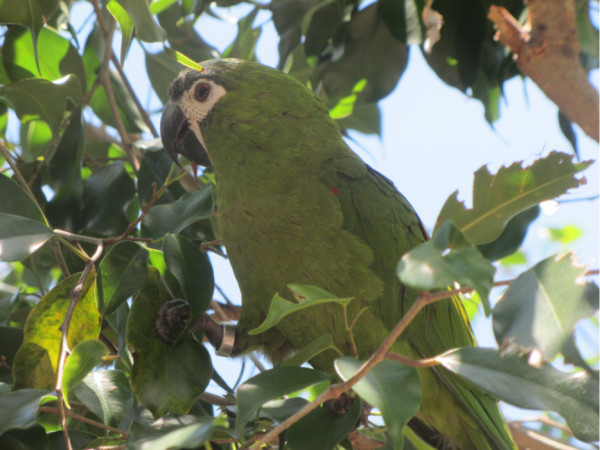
374	210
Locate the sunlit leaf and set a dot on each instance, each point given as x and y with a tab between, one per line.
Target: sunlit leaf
305	296
180	435
146	28
125	23
497	198
36	360
20	236
37	98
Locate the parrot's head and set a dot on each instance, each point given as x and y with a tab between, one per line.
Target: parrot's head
220	114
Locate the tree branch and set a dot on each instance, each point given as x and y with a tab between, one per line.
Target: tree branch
85	420
549	55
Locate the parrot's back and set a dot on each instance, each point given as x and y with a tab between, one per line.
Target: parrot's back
296	205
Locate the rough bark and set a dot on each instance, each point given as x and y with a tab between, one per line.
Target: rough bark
549	55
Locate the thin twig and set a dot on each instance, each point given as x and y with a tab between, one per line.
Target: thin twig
85	420
425	362
133	96
155	196
64	346
104	77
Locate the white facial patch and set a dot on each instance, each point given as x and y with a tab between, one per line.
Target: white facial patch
196	110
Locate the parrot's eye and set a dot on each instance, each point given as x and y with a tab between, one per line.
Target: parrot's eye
202	92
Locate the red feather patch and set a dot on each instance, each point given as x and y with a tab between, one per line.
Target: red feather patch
335	190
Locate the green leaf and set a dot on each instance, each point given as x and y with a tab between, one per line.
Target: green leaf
12	339
244	43
32	438
497	198
192	269
182	59
20	237
369	51
19	409
107	393
382	387
540	309
83	358
108	192
123	271
448	257
279	410
306	353
304	296
32	14
270	385
566	234
186	435
146	28
37	98
510	378
512	236
162	70
125	23
403	19
57	57
323	428
15	201
175	217
36	360
64	209
165	378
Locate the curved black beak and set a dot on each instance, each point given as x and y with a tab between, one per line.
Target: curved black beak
178	139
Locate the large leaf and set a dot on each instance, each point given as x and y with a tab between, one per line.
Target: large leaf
19	409
175	217
15	201
83	358
125	23
64	209
36	360
305	297
541	307
574	396
369	52
37	98
382	388
403	19
32	14
184	432
162	70
123	272
192	269
146	28
107	393
497	198
20	236
108	192
165	377
448	257
270	385
57	57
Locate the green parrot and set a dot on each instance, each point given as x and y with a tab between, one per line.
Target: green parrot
296	205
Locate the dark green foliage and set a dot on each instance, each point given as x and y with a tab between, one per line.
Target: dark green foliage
77	165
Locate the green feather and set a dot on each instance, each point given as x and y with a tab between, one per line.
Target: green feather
296	205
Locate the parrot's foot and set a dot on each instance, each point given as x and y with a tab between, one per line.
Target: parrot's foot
340	405
173	317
